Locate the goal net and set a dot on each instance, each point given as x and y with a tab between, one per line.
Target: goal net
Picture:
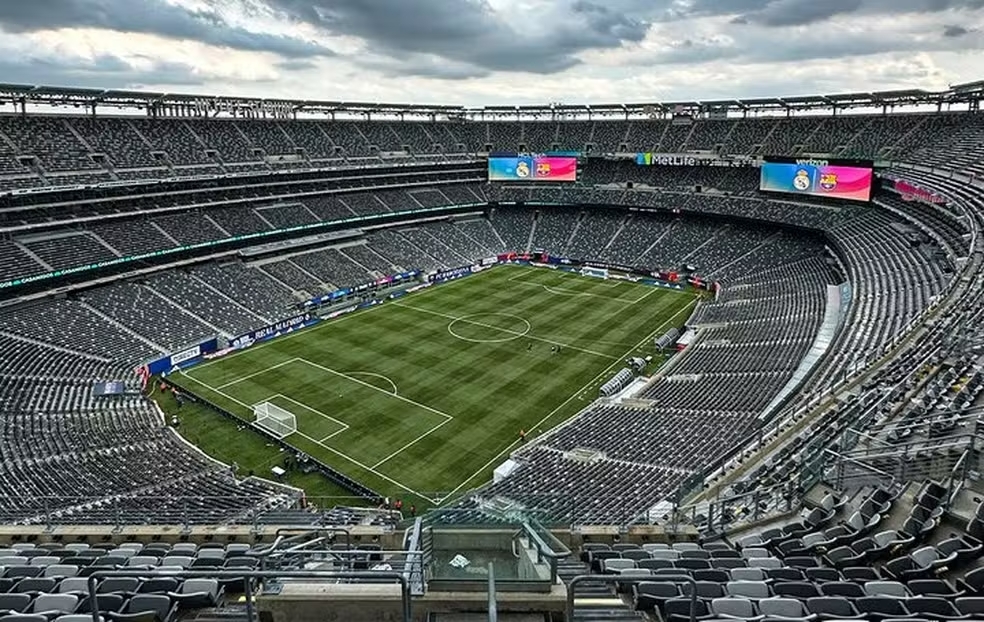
599	273
274	419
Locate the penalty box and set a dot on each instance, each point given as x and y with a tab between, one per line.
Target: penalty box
359	414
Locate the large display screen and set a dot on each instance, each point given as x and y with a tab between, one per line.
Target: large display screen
532	167
838	179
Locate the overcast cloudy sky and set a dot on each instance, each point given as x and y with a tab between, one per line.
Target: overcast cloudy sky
478	52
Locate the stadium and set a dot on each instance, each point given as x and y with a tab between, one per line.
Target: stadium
320	360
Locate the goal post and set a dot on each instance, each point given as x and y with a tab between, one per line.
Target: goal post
598	273
274	419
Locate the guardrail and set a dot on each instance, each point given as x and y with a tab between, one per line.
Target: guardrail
546	545
185	511
249	577
493	605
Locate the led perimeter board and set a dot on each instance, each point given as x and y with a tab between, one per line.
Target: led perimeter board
838	179
533	167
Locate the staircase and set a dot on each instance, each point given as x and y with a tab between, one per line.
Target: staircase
595	602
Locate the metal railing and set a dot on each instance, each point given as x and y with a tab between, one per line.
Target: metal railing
548	547
249	577
187	511
631	579
413	544
737	510
493	605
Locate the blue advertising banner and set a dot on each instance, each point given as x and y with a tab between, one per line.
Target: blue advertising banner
184	358
274	330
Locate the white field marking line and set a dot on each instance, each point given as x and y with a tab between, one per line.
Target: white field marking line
283	338
375	388
254	374
344	425
467	320
560	273
521	273
505	330
568	400
374	375
320	444
367	468
561	291
413	442
652	290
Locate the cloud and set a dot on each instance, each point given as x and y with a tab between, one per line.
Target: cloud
800	12
478	52
780	13
157	17
952	31
107	72
294	64
536	38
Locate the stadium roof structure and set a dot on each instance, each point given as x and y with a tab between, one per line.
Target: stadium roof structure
23	96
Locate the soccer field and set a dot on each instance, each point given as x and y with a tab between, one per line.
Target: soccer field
421	397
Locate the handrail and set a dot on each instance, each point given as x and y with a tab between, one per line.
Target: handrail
954	481
249	575
543	548
614	578
842	458
493	607
414	570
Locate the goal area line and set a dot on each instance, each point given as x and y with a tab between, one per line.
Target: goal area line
373	468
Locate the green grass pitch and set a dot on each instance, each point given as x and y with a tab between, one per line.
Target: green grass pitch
421	397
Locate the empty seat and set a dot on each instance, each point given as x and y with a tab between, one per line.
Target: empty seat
146	606
51	605
786	608
832	608
752	590
881	607
197	593
735	608
650	596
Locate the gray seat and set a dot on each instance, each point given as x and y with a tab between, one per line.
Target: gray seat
785	608
732	607
766	563
61	570
73	585
51	604
886	588
45	560
612	566
747	574
197	593
183	561
753	590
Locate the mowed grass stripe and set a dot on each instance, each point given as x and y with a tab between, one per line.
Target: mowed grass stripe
493	390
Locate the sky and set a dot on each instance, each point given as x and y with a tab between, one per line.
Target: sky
494	52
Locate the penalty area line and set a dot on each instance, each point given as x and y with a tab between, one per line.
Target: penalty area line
322	445
413	442
257	373
375	388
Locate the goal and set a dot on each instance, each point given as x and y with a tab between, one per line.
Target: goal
274	419
598	273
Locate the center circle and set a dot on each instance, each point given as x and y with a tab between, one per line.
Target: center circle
486	323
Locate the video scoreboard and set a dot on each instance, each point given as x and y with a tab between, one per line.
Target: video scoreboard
548	167
838	179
